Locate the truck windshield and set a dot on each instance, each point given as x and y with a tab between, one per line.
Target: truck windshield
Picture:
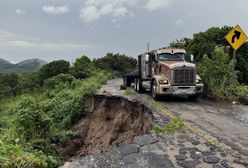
171	57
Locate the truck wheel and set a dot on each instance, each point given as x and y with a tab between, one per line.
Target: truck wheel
154	95
138	86
193	97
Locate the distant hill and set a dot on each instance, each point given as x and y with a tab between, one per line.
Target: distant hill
30	65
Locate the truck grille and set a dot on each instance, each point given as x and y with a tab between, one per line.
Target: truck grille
184	77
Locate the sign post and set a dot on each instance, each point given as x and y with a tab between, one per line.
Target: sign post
236	38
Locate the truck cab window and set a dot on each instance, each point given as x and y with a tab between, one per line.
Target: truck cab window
171	57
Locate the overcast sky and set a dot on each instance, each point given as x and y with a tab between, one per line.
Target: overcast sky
67	29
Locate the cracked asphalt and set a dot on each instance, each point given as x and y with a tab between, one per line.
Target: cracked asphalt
225	123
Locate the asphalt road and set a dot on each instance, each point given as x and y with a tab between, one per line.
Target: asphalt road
226	122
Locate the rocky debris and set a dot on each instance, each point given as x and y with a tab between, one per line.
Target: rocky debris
236	147
224	163
208	153
182	151
144	140
194	141
217	166
236	155
244	152
223	154
241	162
128	149
181	157
195	156
189	163
211	159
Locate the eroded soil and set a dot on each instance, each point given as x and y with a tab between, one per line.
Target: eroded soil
110	122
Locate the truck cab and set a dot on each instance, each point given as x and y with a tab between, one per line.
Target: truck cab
165	72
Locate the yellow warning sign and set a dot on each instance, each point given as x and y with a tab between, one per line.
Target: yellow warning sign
236	37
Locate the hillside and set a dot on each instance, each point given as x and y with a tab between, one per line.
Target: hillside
23	66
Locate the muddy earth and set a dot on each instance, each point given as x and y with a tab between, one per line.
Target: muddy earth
110	122
117	132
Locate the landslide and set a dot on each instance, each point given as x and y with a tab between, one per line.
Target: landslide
110	122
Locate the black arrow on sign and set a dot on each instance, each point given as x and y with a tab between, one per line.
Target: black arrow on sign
236	35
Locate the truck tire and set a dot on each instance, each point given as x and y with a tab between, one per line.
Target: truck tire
138	86
193	97
154	95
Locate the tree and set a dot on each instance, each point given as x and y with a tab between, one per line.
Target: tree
183	43
56	80
83	68
205	42
53	69
116	62
28	82
8	84
218	74
242	64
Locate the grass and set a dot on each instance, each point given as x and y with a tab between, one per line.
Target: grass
129	91
172	127
157	105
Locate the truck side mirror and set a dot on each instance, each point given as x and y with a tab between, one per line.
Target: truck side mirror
192	58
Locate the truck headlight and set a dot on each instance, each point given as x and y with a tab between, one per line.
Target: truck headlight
198	81
163	82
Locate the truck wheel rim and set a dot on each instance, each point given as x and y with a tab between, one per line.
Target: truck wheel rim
153	92
138	85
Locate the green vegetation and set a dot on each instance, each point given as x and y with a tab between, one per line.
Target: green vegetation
31	123
242	91
129	91
172	127
120	64
213	57
157	105
53	69
218	74
39	109
83	68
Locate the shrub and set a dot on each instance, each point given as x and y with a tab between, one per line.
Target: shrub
83	68
218	75
51	83
242	91
31	121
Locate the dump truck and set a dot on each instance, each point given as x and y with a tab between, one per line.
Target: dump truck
164	71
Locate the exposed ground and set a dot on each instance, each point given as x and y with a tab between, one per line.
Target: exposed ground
216	135
110	122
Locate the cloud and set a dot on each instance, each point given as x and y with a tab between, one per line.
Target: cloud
89	14
93	10
55	10
20	11
179	23
9	40
153	5
46	45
